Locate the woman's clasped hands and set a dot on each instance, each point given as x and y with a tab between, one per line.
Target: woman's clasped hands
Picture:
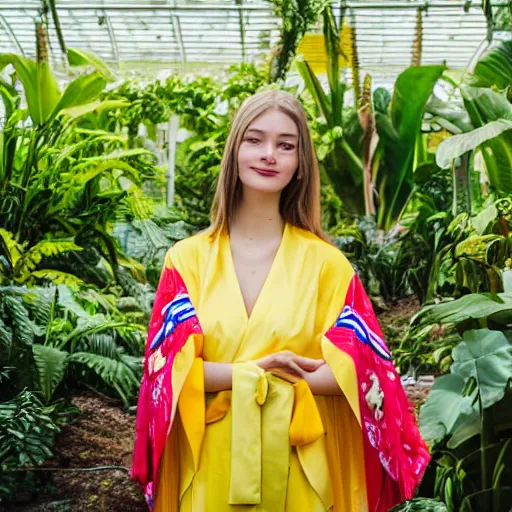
289	366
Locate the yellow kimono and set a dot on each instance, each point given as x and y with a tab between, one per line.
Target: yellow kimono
268	445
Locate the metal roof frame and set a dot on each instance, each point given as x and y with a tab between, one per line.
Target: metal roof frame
161	33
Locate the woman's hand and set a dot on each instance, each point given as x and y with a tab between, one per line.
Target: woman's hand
290	363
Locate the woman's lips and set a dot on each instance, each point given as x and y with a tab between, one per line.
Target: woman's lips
265	172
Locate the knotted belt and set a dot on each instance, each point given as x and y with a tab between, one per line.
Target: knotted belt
268	416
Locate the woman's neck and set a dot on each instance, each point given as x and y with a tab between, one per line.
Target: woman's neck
258	216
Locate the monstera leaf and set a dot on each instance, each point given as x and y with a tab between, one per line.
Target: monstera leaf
446	409
485	356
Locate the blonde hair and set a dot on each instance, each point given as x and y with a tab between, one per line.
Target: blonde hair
300	199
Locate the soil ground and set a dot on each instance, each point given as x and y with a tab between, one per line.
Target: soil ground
103	435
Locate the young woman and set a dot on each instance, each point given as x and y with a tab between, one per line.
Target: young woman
267	385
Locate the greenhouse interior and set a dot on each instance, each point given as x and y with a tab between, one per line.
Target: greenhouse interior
114	120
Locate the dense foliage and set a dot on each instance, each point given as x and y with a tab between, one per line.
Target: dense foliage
415	190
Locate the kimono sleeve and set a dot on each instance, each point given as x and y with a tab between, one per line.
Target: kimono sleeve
395	454
172	366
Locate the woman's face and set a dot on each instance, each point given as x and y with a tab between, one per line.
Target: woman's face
268	156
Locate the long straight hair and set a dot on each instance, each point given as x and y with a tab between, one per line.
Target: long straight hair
300	199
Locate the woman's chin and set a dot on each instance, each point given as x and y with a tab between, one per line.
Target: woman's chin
262	188
264	185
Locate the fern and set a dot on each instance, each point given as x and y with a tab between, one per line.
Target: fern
51	364
116	373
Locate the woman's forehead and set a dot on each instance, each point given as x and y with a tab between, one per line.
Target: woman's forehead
274	122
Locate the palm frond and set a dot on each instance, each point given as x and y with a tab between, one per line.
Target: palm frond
5	334
58	277
22	326
48	248
93	325
113	372
13	250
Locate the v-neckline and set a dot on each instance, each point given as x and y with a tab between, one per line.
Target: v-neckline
228	255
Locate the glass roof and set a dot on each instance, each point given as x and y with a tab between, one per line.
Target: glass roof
197	34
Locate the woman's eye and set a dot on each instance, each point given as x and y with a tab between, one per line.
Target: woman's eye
251	140
286	146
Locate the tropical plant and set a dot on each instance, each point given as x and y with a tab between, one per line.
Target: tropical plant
48	336
399	150
474	252
494	69
387	168
480	127
420	505
466	417
27	433
337	132
297	17
63	186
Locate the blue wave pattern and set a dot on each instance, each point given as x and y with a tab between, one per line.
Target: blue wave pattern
174	313
351	319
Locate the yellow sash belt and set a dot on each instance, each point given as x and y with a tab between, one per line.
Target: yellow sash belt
268	416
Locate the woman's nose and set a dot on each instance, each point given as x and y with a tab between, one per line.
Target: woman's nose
268	154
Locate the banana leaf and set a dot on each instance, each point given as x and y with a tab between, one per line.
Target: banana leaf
78	57
485	106
455	146
495	68
475	306
398	132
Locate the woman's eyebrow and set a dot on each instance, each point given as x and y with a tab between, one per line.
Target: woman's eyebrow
280	135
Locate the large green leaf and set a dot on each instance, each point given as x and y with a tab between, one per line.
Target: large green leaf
80	91
474	306
484	106
485	356
81	58
59	277
115	372
67	301
394	180
413	88
51	364
445	409
455	146
96	106
315	88
495	68
39	83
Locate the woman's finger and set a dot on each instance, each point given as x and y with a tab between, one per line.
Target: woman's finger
307	363
295	368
